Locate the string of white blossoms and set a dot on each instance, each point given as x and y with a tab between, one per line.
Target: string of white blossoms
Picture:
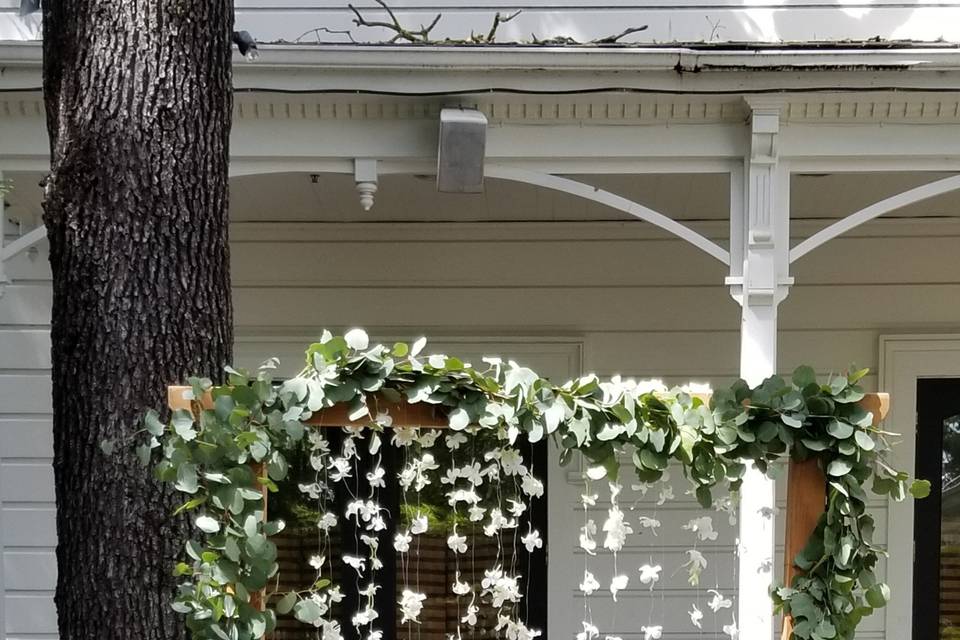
616	529
500	586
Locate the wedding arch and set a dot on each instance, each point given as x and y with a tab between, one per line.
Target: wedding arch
460	427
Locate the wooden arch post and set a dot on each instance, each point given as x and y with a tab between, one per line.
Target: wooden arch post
807	501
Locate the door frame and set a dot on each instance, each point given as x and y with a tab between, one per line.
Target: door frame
904	359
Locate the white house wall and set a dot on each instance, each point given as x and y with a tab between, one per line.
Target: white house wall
639	303
667	21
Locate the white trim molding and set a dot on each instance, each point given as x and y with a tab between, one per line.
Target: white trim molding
903	360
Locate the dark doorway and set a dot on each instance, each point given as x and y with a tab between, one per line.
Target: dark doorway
936	576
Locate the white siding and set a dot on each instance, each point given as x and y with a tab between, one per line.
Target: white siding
27	512
610	297
641	304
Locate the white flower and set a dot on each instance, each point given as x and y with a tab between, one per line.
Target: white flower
590	632
491	471
718	602
317	562
589	500
339	469
531	486
406	476
732	630
375	477
411	604
327	521
693	388
649	523
695	566
450	477
331	630
357	339
374	635
404	436
497	522
653	385
532	540
471	472
696	616
456	542
516	508
617	529
349	450
365	616
463	495
703	527
419	525
454	440
476	513
334	594
460	587
652	633
501	587
428	437
370	590
619	583
587	531
312	490
318	442
357	563
377	523
666	493
471	616
401	542
650	574
589	584
512	462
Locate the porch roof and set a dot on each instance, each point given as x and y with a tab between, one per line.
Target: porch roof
696	68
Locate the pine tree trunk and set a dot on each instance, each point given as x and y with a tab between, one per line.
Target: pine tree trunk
138	98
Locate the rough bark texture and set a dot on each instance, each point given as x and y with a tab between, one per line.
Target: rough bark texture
138	98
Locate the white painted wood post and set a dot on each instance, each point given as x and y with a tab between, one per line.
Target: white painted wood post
760	221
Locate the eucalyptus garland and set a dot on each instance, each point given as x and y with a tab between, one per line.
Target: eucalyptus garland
255	423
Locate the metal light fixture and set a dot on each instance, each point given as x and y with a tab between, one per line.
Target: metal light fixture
463	141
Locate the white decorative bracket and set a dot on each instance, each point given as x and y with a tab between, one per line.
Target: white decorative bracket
365	177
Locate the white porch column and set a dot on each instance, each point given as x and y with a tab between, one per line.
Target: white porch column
759	281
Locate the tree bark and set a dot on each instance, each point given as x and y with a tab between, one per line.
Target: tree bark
138	99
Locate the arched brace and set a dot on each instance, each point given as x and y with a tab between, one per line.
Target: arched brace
23	243
877	209
587	192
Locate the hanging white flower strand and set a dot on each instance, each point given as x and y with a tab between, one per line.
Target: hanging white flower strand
617	530
590	584
319	490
